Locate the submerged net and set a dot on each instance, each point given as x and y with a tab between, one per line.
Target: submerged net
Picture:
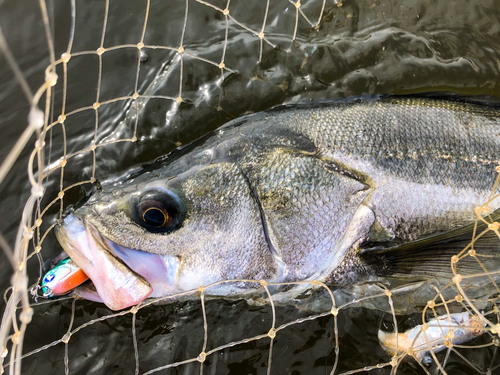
129	81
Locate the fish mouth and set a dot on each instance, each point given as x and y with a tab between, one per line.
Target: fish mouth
121	277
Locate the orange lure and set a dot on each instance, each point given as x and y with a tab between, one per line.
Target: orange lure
62	279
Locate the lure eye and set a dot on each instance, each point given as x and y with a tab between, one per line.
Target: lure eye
158	211
155	217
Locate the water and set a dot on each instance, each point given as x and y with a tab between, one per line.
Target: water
362	47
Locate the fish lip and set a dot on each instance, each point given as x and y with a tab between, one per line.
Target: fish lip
117	285
161	271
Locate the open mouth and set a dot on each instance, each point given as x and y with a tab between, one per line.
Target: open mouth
120	277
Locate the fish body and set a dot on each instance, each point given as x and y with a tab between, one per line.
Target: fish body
341	192
437	334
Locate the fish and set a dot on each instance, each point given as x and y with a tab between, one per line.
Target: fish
343	192
436	335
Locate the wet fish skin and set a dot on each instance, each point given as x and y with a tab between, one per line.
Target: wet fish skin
294	193
438	334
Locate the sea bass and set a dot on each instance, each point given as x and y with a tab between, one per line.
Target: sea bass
341	192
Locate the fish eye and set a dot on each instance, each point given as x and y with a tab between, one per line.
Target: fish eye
155	217
158	211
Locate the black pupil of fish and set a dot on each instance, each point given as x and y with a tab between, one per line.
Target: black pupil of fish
154	217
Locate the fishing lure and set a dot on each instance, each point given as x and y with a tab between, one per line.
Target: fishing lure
62	279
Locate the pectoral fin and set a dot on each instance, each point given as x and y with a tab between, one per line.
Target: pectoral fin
431	256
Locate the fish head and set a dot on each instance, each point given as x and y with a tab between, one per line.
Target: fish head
168	231
252	202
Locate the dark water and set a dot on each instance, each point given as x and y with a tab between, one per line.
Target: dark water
362	47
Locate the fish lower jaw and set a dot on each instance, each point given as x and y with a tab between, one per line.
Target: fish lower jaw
160	271
120	277
88	291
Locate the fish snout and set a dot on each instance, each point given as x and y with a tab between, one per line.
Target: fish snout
115	283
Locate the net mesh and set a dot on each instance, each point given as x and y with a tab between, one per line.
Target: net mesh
80	128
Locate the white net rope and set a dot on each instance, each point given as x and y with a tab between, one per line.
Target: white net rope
58	110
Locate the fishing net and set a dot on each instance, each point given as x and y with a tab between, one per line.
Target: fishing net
126	82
